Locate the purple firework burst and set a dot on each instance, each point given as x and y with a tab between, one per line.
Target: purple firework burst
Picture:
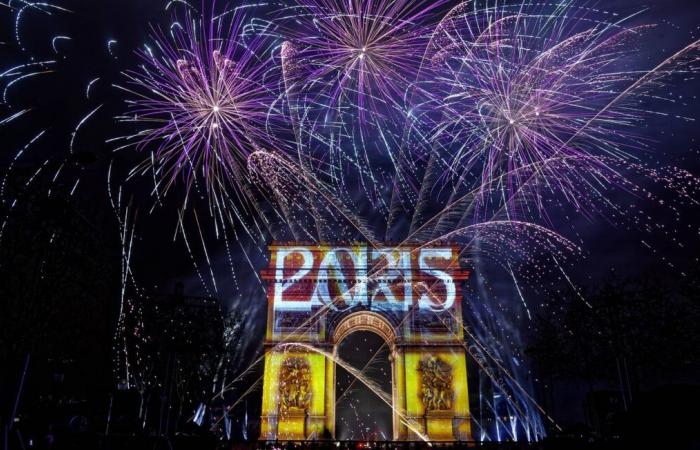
531	97
355	58
205	99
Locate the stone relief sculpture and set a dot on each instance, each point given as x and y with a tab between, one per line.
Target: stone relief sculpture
436	392
295	384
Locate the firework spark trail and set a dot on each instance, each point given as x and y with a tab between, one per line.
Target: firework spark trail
19	79
14	116
3	186
496	382
45	8
82	122
127	235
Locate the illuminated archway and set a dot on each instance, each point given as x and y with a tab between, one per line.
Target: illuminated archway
418	313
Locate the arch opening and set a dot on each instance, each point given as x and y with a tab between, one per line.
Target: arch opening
360	413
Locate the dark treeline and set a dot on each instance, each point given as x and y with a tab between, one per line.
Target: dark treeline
631	345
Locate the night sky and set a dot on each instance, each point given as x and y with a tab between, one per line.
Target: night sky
58	102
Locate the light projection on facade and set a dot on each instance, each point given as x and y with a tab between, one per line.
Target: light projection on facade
408	295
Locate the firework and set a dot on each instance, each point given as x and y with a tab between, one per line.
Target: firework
347	69
353	61
204	102
533	98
